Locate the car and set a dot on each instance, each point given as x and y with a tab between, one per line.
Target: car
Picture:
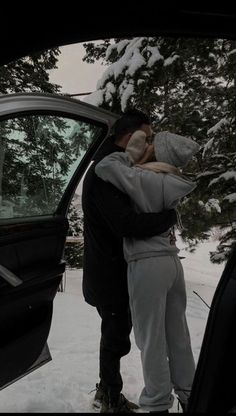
34	227
33	230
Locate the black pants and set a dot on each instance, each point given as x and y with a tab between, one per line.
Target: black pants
115	343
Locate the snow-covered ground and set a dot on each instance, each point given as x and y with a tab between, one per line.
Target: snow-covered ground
64	384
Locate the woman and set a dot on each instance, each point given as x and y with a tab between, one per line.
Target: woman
155	274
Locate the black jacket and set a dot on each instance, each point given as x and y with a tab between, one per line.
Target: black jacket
108	217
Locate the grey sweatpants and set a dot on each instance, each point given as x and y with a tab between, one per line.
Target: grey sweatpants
158	303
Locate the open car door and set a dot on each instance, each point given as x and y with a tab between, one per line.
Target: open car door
46	144
214	384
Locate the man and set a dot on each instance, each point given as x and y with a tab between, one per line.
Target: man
109	216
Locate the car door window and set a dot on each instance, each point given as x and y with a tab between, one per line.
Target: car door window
38	156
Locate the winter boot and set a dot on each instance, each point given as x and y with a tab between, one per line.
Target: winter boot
120	405
98	398
182	405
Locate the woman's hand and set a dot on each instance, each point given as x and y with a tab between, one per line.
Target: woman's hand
148	155
136	146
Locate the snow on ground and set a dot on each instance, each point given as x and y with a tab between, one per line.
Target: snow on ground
64	385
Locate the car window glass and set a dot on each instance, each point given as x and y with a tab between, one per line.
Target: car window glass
38	156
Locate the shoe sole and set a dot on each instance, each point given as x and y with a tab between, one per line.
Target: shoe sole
97	405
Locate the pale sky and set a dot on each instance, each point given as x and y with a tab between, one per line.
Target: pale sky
74	75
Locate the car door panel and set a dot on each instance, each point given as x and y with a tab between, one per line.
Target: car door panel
30	317
46	144
34	253
33	245
43	358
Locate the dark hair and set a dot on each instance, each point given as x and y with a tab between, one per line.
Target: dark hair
130	121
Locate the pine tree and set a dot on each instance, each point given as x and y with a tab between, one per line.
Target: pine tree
74	249
188	87
21	136
41	165
220	154
30	74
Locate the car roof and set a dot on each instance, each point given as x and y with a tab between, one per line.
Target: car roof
25	30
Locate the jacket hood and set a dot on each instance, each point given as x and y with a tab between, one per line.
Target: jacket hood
175	188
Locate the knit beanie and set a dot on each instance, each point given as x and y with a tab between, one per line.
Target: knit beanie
174	149
136	146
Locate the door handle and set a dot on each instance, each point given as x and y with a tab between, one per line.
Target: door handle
10	277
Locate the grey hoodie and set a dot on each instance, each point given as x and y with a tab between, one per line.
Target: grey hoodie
150	191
